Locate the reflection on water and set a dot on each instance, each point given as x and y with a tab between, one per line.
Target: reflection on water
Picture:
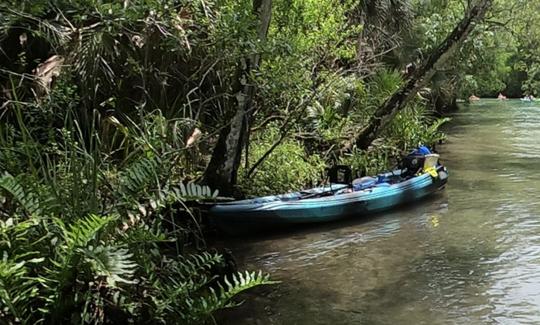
468	255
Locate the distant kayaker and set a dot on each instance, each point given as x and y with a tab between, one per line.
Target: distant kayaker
501	97
474	98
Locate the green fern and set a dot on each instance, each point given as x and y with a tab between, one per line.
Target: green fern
238	283
193	293
197	264
81	233
215	300
83	230
140	175
69	252
28	201
17	290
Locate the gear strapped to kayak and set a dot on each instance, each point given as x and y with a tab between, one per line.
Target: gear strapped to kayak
419	174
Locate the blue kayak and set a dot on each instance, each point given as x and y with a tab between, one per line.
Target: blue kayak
323	204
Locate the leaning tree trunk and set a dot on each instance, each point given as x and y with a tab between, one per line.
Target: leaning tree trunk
384	114
222	170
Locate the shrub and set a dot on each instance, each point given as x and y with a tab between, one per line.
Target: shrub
86	237
288	168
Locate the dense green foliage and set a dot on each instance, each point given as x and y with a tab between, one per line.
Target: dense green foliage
501	56
95	223
89	238
287	167
108	108
182	59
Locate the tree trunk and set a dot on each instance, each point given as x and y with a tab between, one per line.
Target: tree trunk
221	173
384	114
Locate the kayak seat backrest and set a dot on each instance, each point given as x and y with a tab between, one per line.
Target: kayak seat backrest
340	174
413	164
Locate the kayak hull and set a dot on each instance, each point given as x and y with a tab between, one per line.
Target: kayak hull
278	211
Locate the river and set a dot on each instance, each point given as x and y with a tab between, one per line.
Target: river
468	255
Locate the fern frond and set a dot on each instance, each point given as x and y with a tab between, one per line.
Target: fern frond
193	192
198	264
15	234
222	298
240	282
190	274
17	291
143	234
83	230
27	200
140	175
113	263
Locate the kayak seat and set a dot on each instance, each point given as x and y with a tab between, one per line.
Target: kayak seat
340	174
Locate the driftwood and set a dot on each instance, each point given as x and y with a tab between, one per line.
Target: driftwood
384	114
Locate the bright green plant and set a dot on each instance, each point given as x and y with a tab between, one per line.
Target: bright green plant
288	167
416	126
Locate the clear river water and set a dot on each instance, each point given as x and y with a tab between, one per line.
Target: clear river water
468	255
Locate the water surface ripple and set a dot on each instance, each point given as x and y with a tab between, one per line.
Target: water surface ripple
468	255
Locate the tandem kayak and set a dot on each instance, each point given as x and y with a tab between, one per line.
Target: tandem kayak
329	203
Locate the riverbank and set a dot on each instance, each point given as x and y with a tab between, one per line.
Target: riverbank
118	118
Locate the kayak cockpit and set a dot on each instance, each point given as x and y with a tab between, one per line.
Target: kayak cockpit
327	190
